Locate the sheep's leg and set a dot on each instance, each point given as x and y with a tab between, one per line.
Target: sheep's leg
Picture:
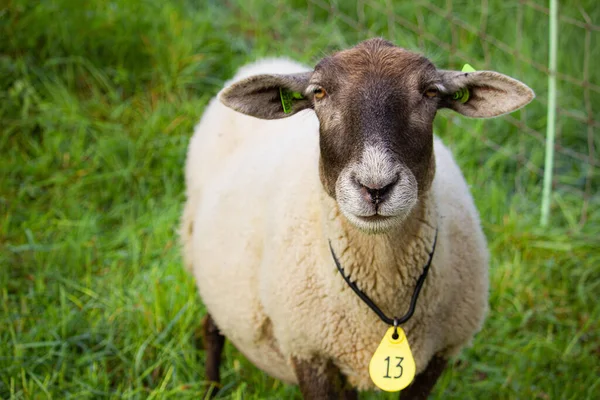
425	381
319	379
213	345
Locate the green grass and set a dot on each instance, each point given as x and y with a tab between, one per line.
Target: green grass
96	107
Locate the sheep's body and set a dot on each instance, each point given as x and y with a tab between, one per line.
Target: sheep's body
255	233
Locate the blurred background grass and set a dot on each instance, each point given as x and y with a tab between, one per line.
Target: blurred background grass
98	101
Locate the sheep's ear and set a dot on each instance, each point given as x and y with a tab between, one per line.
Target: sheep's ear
483	94
268	96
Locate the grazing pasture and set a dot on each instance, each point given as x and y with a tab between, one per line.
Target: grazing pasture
97	103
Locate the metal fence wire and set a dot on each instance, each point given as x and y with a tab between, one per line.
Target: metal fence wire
510	37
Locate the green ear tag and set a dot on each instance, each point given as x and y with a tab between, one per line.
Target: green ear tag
463	94
287	97
467	68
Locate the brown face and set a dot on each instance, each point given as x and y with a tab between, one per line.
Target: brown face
376	103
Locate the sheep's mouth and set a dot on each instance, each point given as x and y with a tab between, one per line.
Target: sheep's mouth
375	217
375	223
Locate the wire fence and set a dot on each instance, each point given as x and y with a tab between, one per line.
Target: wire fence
510	37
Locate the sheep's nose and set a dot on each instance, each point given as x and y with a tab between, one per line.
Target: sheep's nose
377	194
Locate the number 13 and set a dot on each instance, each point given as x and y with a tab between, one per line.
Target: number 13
399	366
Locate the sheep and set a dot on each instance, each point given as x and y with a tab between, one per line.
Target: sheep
350	168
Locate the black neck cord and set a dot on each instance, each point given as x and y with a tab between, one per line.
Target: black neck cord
413	301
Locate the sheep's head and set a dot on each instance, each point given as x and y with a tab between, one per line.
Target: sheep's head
376	103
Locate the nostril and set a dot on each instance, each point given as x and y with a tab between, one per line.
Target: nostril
387	188
377	193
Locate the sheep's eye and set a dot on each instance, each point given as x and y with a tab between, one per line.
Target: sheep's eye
319	93
431	92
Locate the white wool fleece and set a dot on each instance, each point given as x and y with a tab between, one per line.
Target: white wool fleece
255	233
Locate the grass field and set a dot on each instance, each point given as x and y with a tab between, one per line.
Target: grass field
97	103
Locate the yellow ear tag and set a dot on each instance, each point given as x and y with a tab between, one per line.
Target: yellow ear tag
392	367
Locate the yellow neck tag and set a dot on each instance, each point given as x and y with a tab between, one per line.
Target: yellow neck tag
392	367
